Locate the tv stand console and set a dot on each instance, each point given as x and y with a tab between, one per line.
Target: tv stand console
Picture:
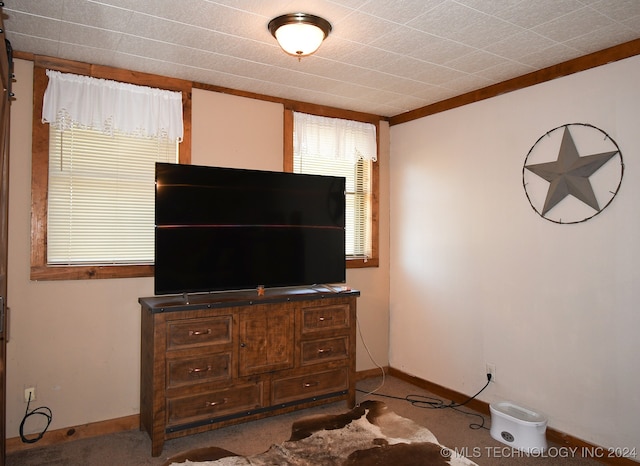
218	359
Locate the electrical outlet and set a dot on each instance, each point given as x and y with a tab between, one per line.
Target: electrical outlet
491	369
29	392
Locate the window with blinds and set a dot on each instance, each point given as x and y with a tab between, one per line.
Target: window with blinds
101	197
358	196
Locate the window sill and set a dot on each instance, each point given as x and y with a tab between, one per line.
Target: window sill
361	262
88	272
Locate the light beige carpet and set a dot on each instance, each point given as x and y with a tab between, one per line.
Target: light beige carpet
369	434
454	429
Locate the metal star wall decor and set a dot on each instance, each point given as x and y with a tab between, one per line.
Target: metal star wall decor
572	188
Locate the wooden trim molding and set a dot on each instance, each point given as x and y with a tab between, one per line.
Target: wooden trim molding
69	66
371	373
555	436
40	270
618	52
297	106
441	391
68	434
287	159
112	426
592	60
351	263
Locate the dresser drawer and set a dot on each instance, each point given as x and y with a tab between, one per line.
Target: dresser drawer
327	349
308	386
200	369
216	403
325	317
193	332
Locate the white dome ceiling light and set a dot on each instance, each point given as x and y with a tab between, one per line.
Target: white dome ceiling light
299	34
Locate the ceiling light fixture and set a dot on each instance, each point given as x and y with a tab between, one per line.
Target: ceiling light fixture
299	34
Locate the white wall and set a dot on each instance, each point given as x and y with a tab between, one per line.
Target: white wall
478	277
78	341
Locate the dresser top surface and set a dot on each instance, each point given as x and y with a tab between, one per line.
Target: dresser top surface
189	301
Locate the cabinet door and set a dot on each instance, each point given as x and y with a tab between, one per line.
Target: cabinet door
266	339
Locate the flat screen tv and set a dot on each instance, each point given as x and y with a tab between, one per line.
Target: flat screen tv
232	229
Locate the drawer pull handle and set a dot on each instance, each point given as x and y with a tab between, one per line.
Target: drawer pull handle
325	350
310	384
322	319
195	333
199	370
209	404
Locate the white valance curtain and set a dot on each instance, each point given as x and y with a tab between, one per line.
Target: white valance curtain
334	138
72	100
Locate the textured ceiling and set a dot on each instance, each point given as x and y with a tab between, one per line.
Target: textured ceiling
383	57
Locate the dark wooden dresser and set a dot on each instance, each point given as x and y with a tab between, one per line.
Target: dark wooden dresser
212	360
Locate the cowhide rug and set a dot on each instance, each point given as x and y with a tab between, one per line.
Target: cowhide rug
369	434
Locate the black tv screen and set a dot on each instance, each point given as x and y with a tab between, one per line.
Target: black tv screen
230	229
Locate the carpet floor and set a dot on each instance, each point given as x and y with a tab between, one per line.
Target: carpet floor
461	429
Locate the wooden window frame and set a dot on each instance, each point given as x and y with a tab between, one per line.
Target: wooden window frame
40	270
356	262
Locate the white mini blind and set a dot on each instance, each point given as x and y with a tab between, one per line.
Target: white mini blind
337	147
357	198
102	197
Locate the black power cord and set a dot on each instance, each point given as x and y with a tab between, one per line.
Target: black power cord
455	405
42	411
429	402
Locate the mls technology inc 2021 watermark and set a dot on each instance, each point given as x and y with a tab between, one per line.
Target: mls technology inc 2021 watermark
552	452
